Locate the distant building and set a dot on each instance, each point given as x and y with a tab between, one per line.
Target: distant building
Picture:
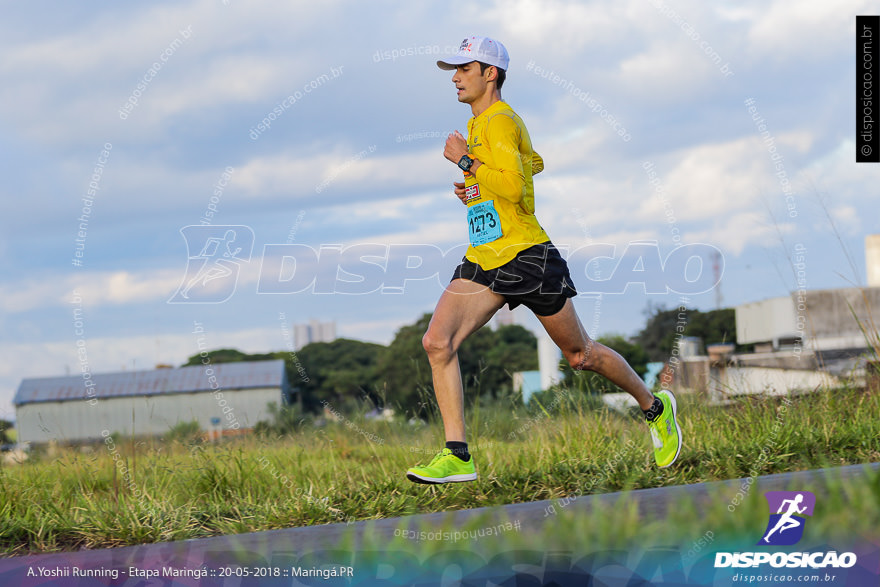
814	320
808	339
224	398
505	316
314	331
828	323
302	335
803	341
872	259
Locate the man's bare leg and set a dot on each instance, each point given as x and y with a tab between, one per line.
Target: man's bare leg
464	307
583	353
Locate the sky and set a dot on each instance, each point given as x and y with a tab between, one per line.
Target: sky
682	141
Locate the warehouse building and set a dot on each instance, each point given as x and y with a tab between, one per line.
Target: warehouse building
226	398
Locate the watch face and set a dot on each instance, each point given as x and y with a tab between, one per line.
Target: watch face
465	162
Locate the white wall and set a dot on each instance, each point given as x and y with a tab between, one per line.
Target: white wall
766	320
746	380
548	361
872	259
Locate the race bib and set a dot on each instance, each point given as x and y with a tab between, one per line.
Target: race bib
484	226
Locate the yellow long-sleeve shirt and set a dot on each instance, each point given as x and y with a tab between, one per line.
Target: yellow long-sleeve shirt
500	195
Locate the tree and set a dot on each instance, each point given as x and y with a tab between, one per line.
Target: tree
284	420
632	352
658	335
488	359
404	369
501	353
665	327
5	427
336	372
716	326
227	356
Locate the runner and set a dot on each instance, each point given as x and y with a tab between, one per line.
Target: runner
787	521
511	260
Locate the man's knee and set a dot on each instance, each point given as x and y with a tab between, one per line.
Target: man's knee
437	346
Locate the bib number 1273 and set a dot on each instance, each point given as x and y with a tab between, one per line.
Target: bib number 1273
484	226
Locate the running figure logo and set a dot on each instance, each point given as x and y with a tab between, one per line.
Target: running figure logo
212	272
786	526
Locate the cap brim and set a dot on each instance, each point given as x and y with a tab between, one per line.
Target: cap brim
454	62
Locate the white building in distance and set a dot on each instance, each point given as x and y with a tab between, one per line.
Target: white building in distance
314	331
224	398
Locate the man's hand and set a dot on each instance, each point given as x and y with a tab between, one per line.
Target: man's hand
456	147
459	191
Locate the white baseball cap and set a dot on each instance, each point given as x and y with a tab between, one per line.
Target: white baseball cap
482	49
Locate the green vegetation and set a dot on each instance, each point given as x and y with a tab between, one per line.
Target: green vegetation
184	433
135	492
228	356
7	432
659	334
339	372
345	372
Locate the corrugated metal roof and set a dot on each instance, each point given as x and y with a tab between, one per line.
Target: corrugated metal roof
230	376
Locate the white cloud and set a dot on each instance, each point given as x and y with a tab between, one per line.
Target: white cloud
666	73
723	189
793	29
836	173
740	229
94	287
98	66
557	25
847	218
339	172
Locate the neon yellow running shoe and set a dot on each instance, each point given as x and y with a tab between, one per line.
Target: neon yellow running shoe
665	431
443	468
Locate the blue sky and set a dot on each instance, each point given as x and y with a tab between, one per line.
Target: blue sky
355	159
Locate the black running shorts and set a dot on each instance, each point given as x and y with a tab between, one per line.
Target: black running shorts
537	278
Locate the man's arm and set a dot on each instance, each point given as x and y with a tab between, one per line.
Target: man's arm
537	163
506	178
456	147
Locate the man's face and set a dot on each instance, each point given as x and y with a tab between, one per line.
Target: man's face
470	82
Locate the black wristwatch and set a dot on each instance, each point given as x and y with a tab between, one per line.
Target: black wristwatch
465	163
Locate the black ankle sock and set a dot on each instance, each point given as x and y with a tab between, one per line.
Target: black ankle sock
654	411
459	449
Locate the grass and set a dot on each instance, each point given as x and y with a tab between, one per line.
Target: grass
140	492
